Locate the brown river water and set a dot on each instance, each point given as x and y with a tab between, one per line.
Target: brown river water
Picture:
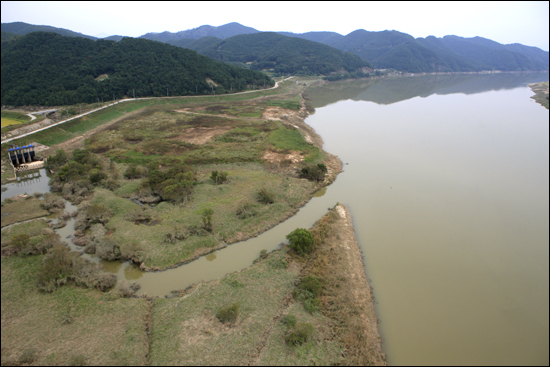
447	179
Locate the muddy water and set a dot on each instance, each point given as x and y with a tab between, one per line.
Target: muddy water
447	179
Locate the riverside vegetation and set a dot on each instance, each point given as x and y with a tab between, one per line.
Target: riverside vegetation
218	173
212	323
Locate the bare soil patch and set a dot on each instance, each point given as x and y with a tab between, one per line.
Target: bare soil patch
201	135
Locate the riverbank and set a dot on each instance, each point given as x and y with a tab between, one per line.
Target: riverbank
541	93
187	328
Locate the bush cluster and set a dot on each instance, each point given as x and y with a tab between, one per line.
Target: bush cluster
229	314
308	291
246	210
301	334
25	245
218	177
135	171
301	240
314	172
52	203
60	266
264	196
175	184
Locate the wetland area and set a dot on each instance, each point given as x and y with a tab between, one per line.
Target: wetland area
446	178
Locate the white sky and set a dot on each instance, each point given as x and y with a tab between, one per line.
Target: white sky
504	22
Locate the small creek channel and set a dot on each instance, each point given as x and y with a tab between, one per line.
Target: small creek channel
160	283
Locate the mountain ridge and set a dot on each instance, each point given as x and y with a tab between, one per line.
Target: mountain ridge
387	49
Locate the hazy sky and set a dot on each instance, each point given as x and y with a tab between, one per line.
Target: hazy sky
504	22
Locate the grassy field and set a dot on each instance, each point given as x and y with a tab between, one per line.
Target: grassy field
72	326
21	209
186	331
73	128
241	189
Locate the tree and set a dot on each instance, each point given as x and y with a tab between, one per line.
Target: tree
301	240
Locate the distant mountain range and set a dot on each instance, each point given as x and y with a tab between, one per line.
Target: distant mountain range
235	43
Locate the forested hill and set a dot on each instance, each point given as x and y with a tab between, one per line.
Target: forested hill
48	69
272	51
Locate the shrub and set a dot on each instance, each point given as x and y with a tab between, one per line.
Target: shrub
28	356
108	249
265	196
312	305
20	241
96	176
301	240
218	177
311	284
314	173
308	291
135	172
78	360
127	291
98	214
289	320
132	251
52	203
57	268
229	314
301	334
279	264
246	210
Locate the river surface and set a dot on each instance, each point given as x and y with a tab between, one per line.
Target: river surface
447	179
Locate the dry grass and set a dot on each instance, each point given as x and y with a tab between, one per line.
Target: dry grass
346	296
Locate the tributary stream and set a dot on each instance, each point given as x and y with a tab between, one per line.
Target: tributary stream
447	179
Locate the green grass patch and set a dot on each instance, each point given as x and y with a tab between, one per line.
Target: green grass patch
33	228
291	104
242	186
21	209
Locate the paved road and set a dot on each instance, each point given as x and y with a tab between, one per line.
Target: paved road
126	100
44	112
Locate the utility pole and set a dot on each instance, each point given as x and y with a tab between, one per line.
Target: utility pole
166	92
134	93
